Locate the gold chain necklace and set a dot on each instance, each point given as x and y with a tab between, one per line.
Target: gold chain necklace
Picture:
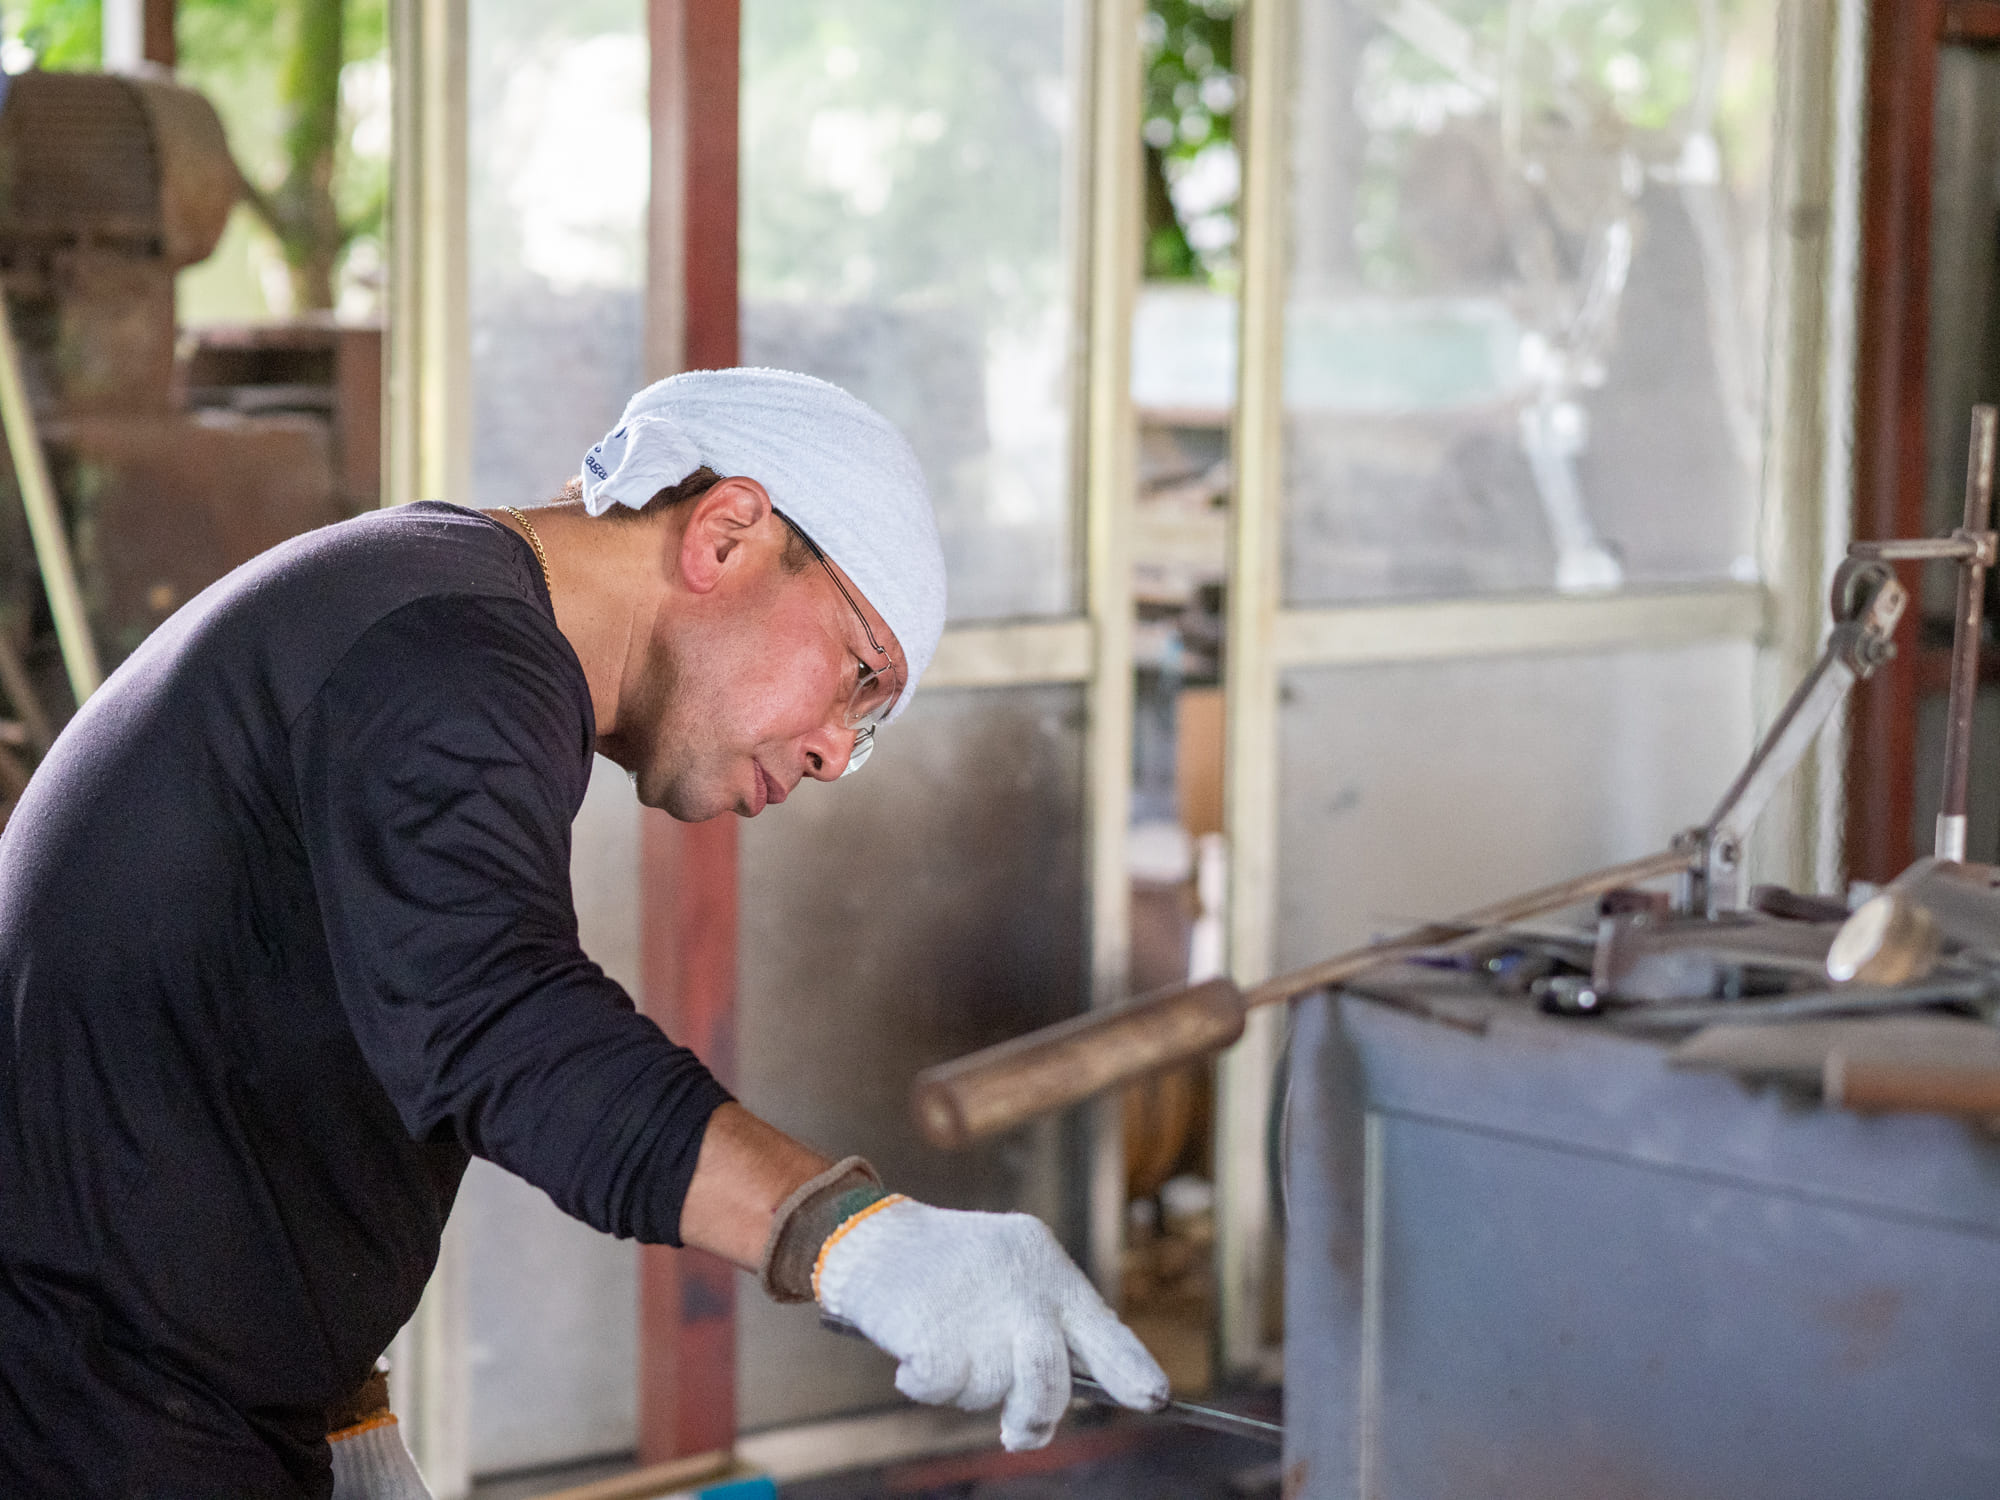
535	542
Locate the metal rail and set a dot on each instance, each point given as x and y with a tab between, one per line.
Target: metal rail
45	525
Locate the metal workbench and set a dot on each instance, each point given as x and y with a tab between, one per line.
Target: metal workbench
1527	1258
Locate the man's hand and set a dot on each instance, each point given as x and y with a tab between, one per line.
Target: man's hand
980	1308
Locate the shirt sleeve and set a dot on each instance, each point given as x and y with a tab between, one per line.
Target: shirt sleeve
438	771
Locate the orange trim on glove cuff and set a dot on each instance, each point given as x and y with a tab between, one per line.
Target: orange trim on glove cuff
819	1264
380	1419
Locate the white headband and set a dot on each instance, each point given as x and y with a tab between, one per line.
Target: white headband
836	467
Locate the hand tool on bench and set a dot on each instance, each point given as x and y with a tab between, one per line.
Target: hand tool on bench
962	1101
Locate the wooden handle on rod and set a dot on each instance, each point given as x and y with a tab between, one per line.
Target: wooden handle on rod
959	1102
1927	1088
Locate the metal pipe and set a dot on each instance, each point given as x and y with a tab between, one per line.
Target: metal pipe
1214	1418
45	526
1954	548
1966	631
20	691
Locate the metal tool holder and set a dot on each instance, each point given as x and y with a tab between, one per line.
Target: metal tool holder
1868	603
1971	547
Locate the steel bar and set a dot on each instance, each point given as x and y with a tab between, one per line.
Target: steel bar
1843	1000
45	524
1114	227
1214	1418
1343	966
1965	633
1245	1213
1953	548
1087	1389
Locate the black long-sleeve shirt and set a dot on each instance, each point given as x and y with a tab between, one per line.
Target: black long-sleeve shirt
285	933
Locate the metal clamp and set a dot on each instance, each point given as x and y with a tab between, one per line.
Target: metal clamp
1868	601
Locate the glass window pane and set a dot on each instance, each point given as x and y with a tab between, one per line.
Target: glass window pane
1394	813
558	148
1524	319
906	178
929	906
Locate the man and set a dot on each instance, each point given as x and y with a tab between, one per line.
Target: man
286	934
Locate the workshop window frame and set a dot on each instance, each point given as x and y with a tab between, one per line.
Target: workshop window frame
1804	498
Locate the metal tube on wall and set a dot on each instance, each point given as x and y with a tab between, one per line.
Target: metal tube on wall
1965	645
1244	1259
1843	302
1792	542
427	441
1110	466
45	523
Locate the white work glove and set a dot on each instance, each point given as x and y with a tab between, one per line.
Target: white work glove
980	1308
371	1462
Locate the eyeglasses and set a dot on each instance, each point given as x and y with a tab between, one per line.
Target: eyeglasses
875	689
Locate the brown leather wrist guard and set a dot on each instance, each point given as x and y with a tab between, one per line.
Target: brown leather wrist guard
367	1407
804	1220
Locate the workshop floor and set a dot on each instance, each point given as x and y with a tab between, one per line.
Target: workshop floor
1114	1457
1102	1455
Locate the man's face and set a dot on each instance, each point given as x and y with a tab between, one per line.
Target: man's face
744	688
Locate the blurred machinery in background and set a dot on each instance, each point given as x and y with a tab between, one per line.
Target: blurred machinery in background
174	459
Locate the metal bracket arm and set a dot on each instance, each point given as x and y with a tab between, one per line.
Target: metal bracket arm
1867	603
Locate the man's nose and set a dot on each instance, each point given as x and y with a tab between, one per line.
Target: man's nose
827	752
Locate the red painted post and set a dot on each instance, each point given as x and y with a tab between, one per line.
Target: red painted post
157	34
687	876
1889	411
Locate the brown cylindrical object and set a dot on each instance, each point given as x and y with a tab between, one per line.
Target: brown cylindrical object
958	1102
1928	1088
1889	940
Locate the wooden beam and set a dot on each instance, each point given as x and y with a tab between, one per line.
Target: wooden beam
1971	21
157	34
687	878
1889	409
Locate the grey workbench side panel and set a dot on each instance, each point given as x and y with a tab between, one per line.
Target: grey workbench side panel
1324	1251
1575	1086
1537	1262
1556	1323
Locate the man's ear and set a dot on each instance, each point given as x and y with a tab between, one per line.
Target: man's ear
719	527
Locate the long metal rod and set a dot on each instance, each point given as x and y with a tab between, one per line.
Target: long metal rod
1244	1236
1954	548
427	425
45	526
1214	1418
1535	903
1114	215
1965	634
